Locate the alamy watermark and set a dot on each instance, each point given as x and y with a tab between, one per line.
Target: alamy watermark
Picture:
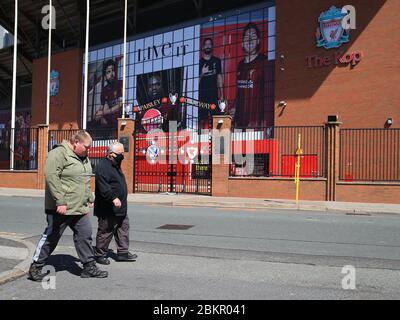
46	18
349	280
349	21
203	147
49	281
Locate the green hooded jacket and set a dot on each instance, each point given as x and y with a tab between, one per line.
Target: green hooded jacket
67	181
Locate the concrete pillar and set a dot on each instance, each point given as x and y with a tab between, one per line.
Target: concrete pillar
333	161
42	149
221	154
126	131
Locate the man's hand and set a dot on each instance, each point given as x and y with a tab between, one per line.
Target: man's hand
117	203
205	70
91	205
61	210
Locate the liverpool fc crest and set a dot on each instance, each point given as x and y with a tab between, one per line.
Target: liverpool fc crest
330	33
54	83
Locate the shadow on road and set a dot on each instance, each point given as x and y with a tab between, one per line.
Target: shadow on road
65	262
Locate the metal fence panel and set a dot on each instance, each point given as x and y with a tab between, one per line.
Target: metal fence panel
101	140
369	155
25	148
271	151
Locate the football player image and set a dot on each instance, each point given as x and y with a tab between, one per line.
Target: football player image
254	99
110	96
211	80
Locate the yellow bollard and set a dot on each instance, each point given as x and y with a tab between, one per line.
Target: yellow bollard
299	152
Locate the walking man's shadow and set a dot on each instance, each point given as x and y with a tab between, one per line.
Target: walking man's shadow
65	262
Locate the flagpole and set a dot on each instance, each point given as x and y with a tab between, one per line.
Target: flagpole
85	90
14	87
49	66
124	62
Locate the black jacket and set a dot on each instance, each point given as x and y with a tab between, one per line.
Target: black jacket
110	184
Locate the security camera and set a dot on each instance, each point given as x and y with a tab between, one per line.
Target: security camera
282	103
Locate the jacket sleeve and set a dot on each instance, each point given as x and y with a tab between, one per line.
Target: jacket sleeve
103	185
53	169
89	193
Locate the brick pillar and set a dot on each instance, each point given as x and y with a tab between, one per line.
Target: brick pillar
42	149
126	131
221	155
332	146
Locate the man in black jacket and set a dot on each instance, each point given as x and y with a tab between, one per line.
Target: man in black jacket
110	206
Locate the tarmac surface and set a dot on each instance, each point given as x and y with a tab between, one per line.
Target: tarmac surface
236	202
233	248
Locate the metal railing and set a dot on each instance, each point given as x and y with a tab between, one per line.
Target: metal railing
25	148
369	155
101	140
271	151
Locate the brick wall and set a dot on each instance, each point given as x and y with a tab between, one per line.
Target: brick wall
363	96
65	108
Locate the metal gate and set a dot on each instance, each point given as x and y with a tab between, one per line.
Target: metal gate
173	162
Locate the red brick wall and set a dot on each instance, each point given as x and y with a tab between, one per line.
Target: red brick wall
65	108
378	193
18	179
363	96
276	189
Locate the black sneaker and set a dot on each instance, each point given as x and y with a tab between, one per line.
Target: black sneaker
35	272
126	257
103	260
90	270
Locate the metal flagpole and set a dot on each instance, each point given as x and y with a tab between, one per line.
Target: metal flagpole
14	88
85	90
124	63
49	66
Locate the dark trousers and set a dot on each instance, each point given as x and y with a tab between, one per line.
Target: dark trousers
56	225
112	226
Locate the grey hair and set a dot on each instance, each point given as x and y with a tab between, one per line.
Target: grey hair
111	148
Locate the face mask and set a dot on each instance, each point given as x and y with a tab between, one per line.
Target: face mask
207	50
118	159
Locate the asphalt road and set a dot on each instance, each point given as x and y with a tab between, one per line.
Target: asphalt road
225	254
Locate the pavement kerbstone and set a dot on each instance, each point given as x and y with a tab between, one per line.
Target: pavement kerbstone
22	268
234	202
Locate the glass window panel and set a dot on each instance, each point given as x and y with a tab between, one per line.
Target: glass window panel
117	50
272	13
92	56
272	28
148	66
271	44
157	65
189	33
167	63
138	68
108	52
271	55
100	54
131	47
178	35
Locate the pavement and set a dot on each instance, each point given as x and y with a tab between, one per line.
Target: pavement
16	253
15	257
236	202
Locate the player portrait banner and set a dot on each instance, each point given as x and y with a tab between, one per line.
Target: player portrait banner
223	66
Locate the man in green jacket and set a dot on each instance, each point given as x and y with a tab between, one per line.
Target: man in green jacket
67	201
